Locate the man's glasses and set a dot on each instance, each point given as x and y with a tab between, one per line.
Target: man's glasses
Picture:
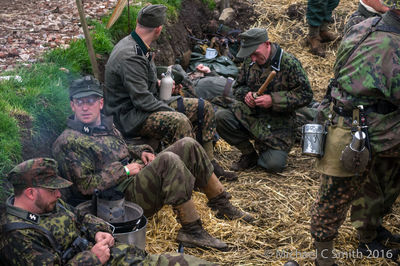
90	101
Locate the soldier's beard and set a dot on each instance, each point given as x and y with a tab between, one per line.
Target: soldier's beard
43	205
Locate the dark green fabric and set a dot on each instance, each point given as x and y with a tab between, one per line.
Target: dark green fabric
221	64
273	160
319	11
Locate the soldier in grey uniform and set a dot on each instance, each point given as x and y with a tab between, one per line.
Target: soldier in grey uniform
132	92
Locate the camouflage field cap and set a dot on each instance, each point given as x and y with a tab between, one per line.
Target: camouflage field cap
152	16
391	3
84	87
38	172
250	40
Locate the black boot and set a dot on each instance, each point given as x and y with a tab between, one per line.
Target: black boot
376	249
222	174
385	235
226	210
246	161
193	235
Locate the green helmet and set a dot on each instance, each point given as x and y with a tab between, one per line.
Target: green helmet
391	3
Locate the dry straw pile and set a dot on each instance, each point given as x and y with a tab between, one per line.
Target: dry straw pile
280	202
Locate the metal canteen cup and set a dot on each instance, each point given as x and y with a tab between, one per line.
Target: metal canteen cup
355	156
313	140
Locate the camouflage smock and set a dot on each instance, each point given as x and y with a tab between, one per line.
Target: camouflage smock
94	157
131	92
31	247
372	74
360	15
289	90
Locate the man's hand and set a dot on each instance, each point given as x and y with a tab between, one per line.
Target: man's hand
134	168
264	101
102	251
249	100
100	236
176	89
203	68
147	157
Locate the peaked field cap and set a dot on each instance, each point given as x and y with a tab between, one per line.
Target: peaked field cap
38	172
84	87
250	40
391	3
152	16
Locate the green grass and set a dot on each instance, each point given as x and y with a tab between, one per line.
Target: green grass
42	96
121	27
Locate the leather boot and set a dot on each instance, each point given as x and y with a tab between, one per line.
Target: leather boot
377	249
192	233
222	174
218	200
327	36
225	209
324	253
315	45
245	161
385	235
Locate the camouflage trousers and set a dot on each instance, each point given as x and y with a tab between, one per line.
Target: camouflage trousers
376	197
123	254
171	177
371	196
172	126
329	210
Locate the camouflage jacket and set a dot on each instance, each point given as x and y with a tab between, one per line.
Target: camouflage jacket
371	76
131	93
289	90
31	247
360	15
94	157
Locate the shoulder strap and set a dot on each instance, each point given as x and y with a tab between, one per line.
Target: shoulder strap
19	226
181	106
387	28
200	120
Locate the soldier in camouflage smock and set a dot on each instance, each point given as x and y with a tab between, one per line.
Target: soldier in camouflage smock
368	74
268	119
40	228
132	92
92	154
366	9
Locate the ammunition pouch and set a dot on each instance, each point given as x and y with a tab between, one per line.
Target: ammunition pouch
78	245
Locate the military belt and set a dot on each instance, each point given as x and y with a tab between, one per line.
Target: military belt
382	108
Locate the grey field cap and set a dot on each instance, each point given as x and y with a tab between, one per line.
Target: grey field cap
250	40
152	16
84	87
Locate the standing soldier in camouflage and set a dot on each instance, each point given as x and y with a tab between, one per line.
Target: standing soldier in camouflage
132	92
319	16
92	154
268	119
367	72
40	228
366	9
